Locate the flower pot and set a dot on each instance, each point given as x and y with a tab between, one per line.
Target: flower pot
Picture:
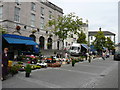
27	75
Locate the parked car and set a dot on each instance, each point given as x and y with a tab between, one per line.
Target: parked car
117	55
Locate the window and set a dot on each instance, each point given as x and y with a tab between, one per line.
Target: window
66	43
0	12
50	15
33	6
42	23
42	11
17	14
33	20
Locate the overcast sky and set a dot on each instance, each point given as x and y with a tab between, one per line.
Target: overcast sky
100	13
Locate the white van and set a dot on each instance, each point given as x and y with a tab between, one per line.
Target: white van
75	49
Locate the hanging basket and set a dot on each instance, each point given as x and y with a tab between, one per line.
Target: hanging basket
18	28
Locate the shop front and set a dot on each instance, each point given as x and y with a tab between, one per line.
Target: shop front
19	45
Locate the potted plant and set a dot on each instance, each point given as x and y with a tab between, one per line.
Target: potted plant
18	28
27	70
13	70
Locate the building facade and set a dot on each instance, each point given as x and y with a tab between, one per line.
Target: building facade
69	41
30	19
91	36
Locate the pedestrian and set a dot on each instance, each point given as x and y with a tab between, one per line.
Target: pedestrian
89	60
107	54
103	55
73	62
66	55
87	55
4	64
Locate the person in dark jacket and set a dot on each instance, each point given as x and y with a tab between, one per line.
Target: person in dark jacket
4	64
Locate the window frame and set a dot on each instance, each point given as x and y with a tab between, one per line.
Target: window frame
17	14
33	6
42	11
32	20
42	21
50	14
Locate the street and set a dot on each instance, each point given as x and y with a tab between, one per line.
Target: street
97	74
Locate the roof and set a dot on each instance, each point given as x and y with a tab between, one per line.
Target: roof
92	33
53	6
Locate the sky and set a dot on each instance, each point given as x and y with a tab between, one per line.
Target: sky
99	13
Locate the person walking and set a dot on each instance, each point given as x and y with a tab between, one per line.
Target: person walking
107	54
87	55
89	60
4	64
103	55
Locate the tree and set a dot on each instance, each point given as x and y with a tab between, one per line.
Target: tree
99	42
65	24
82	38
109	44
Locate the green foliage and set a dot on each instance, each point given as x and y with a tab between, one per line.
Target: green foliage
20	62
82	38
28	68
20	66
109	44
73	61
62	26
14	69
99	42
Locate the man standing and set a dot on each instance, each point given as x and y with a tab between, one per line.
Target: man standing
4	64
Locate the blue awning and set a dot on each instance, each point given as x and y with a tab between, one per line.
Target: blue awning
85	46
19	41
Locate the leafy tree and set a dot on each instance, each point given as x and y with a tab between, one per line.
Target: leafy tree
109	44
82	38
65	24
99	42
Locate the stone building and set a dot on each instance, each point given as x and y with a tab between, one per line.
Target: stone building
91	36
29	19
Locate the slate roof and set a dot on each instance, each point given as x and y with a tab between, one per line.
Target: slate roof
92	33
